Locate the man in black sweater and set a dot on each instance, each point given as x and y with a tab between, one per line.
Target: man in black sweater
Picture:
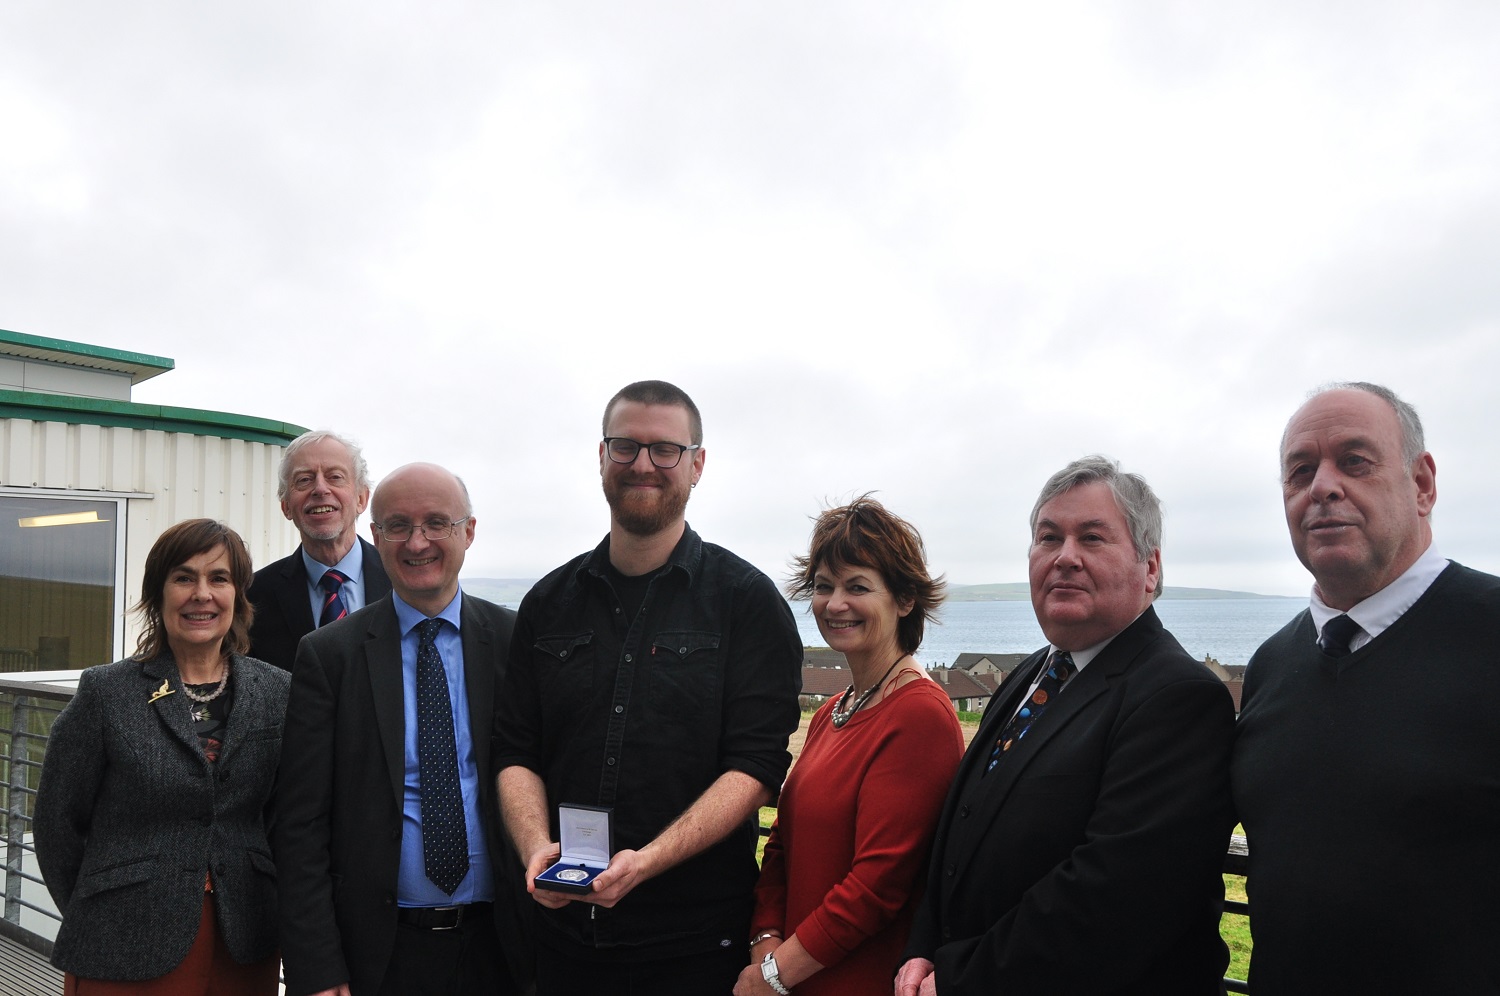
1364	767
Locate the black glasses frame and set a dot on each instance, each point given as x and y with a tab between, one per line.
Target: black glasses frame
650	448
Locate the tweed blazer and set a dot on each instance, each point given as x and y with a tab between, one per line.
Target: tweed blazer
131	818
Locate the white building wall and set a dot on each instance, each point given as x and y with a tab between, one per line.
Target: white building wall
177	475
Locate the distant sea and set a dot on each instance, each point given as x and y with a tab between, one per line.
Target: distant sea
1228	628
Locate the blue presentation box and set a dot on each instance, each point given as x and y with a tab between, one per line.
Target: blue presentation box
587	837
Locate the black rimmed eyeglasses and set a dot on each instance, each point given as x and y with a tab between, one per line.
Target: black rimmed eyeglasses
664	456
433	530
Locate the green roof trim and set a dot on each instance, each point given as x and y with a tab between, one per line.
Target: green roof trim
128	414
141	366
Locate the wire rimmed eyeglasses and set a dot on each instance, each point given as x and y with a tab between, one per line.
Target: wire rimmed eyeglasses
433	530
664	456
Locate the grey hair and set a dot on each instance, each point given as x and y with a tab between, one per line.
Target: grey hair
463	489
296	446
1413	442
1136	501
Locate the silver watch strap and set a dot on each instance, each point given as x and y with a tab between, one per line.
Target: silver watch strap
772	974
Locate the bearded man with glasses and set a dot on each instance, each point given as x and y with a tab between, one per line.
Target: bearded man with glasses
656	676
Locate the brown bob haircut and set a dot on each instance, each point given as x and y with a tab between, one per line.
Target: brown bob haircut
176	547
863	534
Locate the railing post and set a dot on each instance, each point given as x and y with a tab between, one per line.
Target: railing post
15	822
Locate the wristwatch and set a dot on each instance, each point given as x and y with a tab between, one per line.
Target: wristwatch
772	974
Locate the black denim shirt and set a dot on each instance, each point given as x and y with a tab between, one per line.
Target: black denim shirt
643	715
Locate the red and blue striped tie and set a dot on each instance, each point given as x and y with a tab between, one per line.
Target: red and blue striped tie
334	608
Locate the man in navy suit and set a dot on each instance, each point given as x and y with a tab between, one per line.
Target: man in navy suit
323	485
392	877
1080	847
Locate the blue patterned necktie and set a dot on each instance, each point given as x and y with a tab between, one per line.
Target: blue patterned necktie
1059	669
1337	632
445	838
334	608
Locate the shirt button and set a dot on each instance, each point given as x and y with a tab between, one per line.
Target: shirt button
610	761
619	709
562	653
682	650
950	870
629	658
617	610
963	812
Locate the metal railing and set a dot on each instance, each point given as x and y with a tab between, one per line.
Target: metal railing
26	714
27	710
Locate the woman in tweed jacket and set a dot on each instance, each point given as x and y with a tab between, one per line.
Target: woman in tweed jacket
150	822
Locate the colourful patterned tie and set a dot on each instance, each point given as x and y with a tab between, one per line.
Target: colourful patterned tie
445	838
1337	632
1059	669
334	608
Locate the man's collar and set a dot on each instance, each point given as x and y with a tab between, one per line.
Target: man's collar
687	555
407	617
1376	613
352	566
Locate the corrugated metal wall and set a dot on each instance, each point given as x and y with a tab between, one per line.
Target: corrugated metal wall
186	476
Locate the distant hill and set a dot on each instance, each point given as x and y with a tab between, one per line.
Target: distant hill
504	591
510	591
1020	591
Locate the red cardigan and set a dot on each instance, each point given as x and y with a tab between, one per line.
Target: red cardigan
845	862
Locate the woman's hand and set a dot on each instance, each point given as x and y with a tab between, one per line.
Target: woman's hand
751	982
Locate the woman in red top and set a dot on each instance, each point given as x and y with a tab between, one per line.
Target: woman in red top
844	864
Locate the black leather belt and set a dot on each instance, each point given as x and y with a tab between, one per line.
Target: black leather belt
440	917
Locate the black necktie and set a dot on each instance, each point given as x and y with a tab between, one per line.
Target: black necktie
1337	632
1059	669
445	838
334	608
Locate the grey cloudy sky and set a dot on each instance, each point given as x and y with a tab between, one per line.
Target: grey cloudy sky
934	250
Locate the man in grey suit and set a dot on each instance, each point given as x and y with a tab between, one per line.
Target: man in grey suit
323	484
392	877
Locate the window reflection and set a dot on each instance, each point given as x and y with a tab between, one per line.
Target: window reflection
57	582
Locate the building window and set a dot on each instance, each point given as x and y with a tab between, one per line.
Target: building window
60	563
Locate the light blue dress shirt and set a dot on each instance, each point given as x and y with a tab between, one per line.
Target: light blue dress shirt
352	591
413	887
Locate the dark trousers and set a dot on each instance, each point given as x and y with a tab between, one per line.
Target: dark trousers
711	974
464	961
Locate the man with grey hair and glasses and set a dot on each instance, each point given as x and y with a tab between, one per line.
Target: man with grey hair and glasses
323	484
1364	766
1081	845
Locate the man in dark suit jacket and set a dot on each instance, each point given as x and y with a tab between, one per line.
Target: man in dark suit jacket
393	878
1080	848
323	483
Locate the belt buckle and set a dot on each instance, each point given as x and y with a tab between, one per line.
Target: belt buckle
458	916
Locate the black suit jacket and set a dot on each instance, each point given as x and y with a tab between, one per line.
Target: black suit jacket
337	837
283	615
1089	860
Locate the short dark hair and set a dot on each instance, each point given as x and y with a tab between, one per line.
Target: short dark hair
862	533
1134	497
657	392
175	547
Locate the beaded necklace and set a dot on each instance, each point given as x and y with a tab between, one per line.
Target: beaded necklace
840	716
